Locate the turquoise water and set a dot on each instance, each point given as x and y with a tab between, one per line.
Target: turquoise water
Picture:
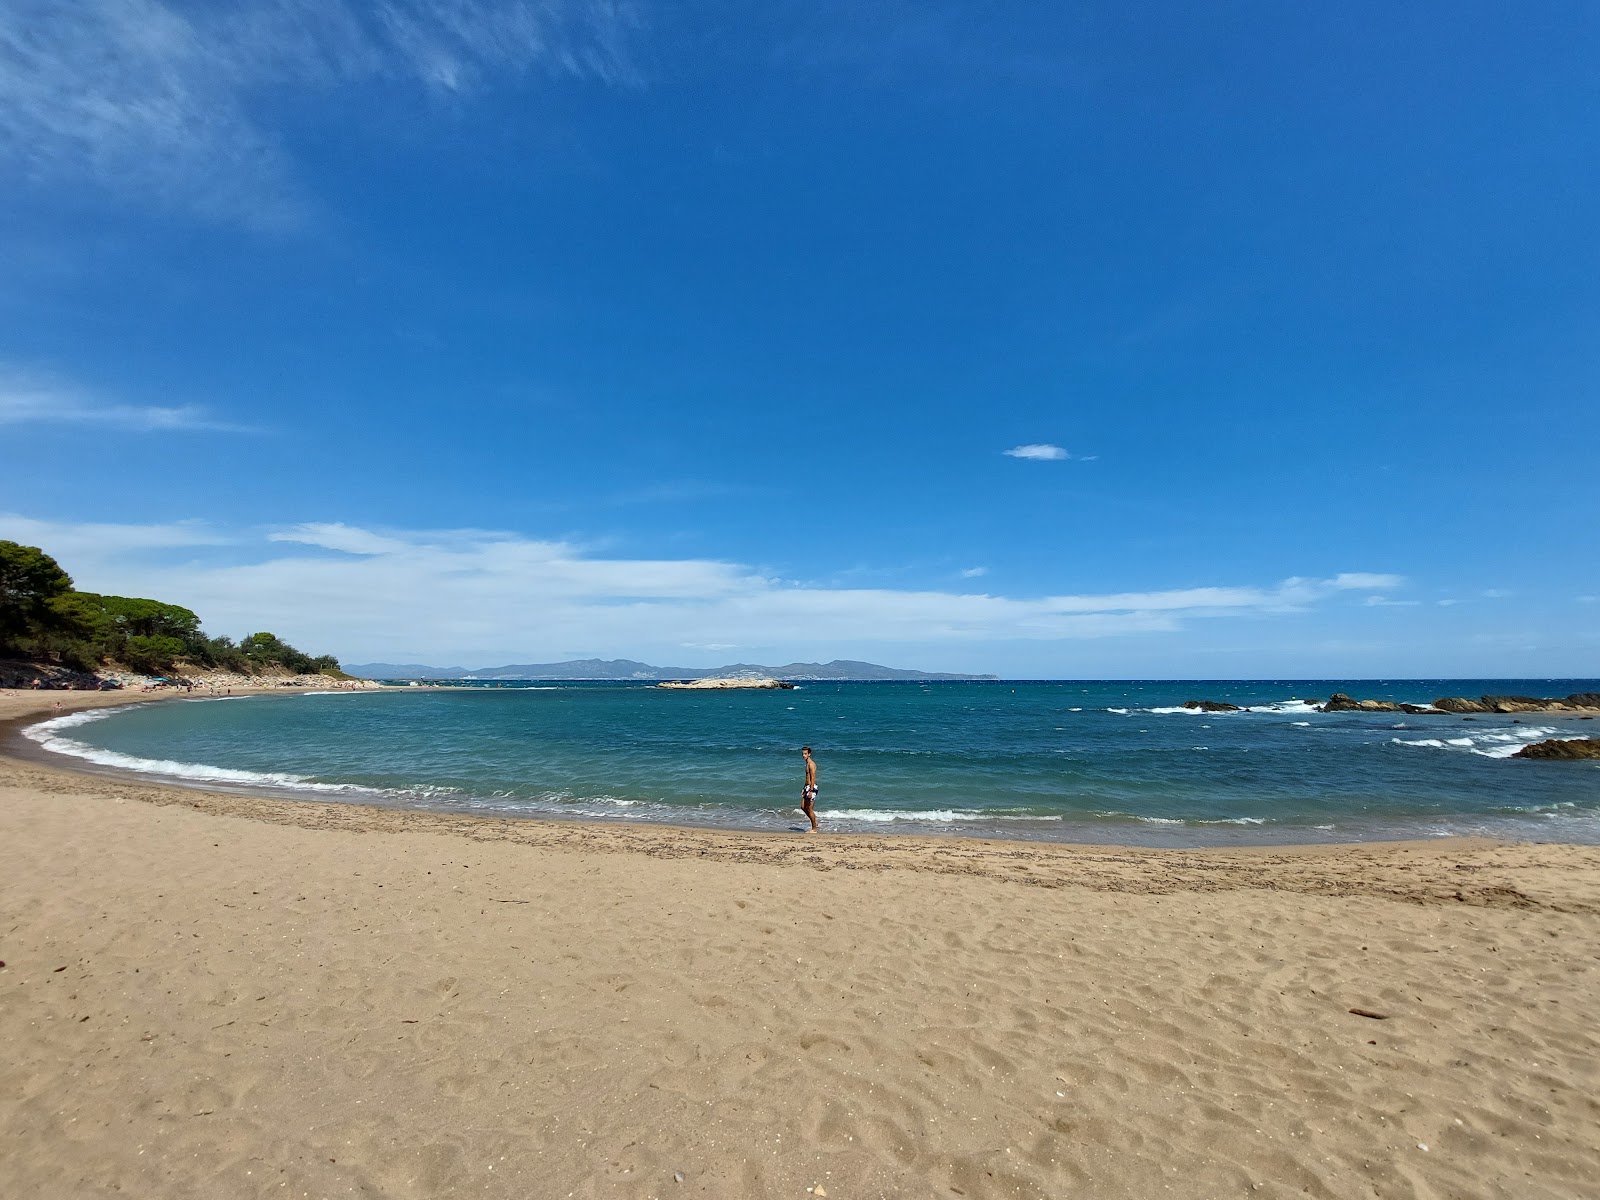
1076	761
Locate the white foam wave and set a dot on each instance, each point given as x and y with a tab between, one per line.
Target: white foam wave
71	720
186	770
1119	711
1488	743
1295	707
1127	816
48	735
937	816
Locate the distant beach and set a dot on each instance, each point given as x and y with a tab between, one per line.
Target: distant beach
224	994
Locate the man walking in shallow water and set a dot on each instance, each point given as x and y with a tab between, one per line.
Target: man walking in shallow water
808	794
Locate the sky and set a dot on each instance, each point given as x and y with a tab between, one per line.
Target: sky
1101	340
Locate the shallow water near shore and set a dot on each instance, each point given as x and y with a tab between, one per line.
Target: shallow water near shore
1109	762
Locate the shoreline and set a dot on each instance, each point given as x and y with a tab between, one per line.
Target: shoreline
21	708
824	848
206	993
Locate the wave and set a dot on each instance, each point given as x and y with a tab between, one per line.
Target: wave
935	816
71	720
1144	820
1487	743
1296	707
47	734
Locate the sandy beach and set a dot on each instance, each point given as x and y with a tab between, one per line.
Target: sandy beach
216	995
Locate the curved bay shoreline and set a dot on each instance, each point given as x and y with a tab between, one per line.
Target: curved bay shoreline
1034	863
260	996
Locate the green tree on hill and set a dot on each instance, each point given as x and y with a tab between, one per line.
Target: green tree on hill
268	648
29	580
43	618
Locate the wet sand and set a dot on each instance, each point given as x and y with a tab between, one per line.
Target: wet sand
211	995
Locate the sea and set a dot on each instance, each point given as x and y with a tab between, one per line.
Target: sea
1109	762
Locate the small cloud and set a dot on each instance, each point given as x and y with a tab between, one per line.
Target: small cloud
28	400
1385	602
1494	593
1589	599
1038	452
974	572
1366	581
1447	603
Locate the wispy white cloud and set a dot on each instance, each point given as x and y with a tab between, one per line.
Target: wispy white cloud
157	101
484	595
1386	602
26	399
97	543
1038	452
974	572
1366	581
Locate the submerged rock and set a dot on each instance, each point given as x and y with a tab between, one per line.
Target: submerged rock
1557	748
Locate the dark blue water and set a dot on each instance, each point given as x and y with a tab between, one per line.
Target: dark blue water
1106	762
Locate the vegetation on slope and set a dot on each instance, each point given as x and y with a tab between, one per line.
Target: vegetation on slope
43	618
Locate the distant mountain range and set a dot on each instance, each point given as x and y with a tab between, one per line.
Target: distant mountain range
626	669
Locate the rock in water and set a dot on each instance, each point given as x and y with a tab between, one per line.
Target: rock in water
1339	702
1558	748
1211	705
1460	704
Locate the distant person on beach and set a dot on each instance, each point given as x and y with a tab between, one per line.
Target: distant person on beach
808	793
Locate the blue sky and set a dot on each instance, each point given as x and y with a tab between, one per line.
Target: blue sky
466	333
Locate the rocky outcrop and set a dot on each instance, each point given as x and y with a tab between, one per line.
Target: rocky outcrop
1459	704
1572	748
1339	702
1211	705
1577	702
718	684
